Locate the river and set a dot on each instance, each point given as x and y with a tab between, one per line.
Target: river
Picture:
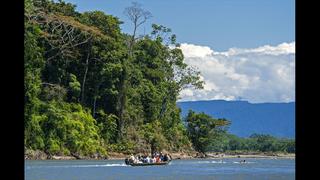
226	169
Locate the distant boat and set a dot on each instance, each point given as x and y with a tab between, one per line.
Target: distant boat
147	164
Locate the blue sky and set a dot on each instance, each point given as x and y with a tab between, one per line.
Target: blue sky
244	49
219	24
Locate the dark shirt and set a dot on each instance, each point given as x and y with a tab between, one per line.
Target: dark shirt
165	158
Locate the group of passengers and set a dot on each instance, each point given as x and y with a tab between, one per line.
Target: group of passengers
156	158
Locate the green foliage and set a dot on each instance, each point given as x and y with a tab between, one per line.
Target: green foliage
122	147
202	129
108	126
28	6
152	132
106	23
74	88
53	92
33	64
69	126
62	7
53	146
255	143
150	101
161	33
34	136
268	143
88	91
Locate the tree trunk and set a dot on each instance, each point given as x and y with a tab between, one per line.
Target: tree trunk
153	149
94	107
132	39
84	78
122	102
163	108
96	95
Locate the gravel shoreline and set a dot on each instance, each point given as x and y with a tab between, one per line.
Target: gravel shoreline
39	155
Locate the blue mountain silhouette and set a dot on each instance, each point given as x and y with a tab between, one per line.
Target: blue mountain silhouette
277	119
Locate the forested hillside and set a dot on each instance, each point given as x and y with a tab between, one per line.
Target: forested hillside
91	89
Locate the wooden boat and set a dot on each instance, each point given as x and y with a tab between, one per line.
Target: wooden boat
147	164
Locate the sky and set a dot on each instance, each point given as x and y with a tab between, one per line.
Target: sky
244	49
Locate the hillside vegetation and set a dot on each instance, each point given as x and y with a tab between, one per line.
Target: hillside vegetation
91	89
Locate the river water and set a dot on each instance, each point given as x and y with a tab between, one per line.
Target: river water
226	169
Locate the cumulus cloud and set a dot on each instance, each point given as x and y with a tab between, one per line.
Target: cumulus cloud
262	74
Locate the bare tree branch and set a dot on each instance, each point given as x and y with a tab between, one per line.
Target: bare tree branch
137	16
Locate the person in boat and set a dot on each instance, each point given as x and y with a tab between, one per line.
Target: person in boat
165	157
132	159
141	159
147	159
158	159
161	156
154	154
137	159
144	159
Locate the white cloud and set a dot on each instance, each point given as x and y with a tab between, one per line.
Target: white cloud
263	74
191	50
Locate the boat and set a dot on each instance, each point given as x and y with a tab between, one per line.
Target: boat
147	164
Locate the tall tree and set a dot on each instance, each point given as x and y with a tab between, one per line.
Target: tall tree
137	16
202	129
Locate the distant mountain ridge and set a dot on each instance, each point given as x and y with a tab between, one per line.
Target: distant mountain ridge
277	119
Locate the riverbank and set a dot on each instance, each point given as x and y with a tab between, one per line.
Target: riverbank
260	155
232	155
40	155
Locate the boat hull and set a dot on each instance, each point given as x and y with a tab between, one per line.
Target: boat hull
149	164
